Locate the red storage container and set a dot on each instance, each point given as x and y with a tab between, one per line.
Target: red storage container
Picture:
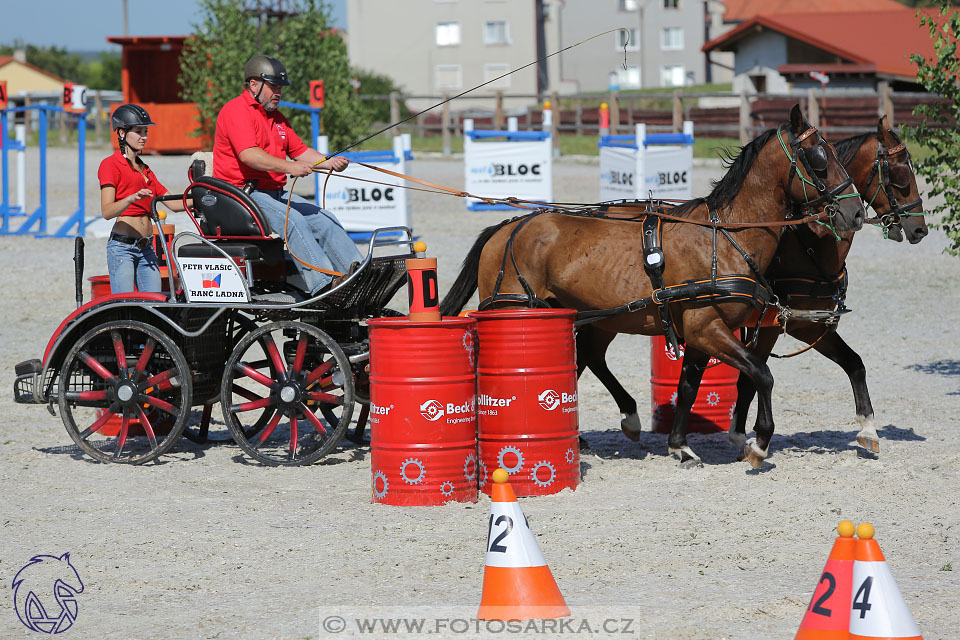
527	399
160	421
423	421
713	408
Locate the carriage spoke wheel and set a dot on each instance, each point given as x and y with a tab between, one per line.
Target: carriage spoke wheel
124	392
220	433
301	378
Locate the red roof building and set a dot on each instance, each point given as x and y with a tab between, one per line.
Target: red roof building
856	49
743	10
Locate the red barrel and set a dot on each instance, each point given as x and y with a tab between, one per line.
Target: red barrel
423	411
527	399
159	420
713	408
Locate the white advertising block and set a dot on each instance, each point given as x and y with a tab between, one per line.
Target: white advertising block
520	166
356	198
660	169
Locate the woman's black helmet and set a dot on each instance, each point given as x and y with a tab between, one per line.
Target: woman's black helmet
128	116
267	69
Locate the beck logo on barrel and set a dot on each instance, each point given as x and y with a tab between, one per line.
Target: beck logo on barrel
550	399
432	410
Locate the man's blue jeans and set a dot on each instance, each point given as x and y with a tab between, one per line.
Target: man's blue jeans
313	234
128	264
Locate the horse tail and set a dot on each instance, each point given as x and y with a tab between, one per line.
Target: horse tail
466	282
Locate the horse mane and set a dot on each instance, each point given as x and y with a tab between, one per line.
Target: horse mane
738	166
848	147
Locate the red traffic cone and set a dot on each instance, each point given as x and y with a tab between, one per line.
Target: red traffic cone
878	610
517	583
828	616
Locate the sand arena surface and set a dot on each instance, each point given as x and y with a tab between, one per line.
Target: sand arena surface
205	544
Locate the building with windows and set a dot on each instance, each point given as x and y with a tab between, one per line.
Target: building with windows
436	47
659	45
432	47
780	52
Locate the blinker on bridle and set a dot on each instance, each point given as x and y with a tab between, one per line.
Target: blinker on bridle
881	169
814	160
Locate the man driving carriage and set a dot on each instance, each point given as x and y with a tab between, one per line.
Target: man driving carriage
255	148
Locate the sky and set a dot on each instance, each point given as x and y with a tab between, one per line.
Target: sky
84	26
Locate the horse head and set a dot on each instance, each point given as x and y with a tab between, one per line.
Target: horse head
895	195
823	182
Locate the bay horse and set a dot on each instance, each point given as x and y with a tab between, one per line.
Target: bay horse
881	168
879	164
590	263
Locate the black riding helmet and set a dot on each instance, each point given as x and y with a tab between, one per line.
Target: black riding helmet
128	116
267	69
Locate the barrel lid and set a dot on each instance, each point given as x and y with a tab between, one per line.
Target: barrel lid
404	322
522	314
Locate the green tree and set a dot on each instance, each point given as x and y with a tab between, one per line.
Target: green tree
375	84
938	128
211	67
54	59
104	72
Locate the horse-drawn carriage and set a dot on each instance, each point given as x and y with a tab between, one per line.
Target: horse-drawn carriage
235	325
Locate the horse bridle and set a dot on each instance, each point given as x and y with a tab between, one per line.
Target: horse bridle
815	161
881	170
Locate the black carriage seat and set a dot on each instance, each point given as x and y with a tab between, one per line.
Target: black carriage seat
223	210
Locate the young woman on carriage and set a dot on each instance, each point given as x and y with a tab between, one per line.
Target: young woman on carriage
126	187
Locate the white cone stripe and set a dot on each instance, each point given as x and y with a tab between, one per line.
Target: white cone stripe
888	615
510	542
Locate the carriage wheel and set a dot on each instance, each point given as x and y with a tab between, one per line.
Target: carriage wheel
124	392
206	432
301	377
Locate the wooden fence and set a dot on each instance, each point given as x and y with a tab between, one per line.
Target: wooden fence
838	113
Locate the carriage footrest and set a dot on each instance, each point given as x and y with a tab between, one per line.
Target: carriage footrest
25	385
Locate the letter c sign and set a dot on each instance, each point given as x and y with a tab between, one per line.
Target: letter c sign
316	94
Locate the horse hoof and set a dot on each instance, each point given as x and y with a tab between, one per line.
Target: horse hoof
737	439
869	443
688	459
631	427
753	454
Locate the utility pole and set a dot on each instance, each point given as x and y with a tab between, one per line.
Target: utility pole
126	21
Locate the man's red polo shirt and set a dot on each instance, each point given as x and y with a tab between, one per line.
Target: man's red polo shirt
243	124
116	172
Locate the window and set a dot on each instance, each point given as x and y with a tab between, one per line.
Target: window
628	5
671	75
671	4
629	78
448	76
493	70
632	43
671	38
496	32
448	34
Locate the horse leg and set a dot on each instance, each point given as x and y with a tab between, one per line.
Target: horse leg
592	346
694	364
835	348
745	389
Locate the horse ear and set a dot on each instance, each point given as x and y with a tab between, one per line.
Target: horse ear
882	124
796	120
66	556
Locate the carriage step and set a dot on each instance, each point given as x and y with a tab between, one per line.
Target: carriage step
279	297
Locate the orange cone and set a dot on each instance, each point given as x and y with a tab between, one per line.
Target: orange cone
878	610
517	583
828	616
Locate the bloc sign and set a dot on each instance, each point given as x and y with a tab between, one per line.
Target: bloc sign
316	94
74	97
212	280
3	94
